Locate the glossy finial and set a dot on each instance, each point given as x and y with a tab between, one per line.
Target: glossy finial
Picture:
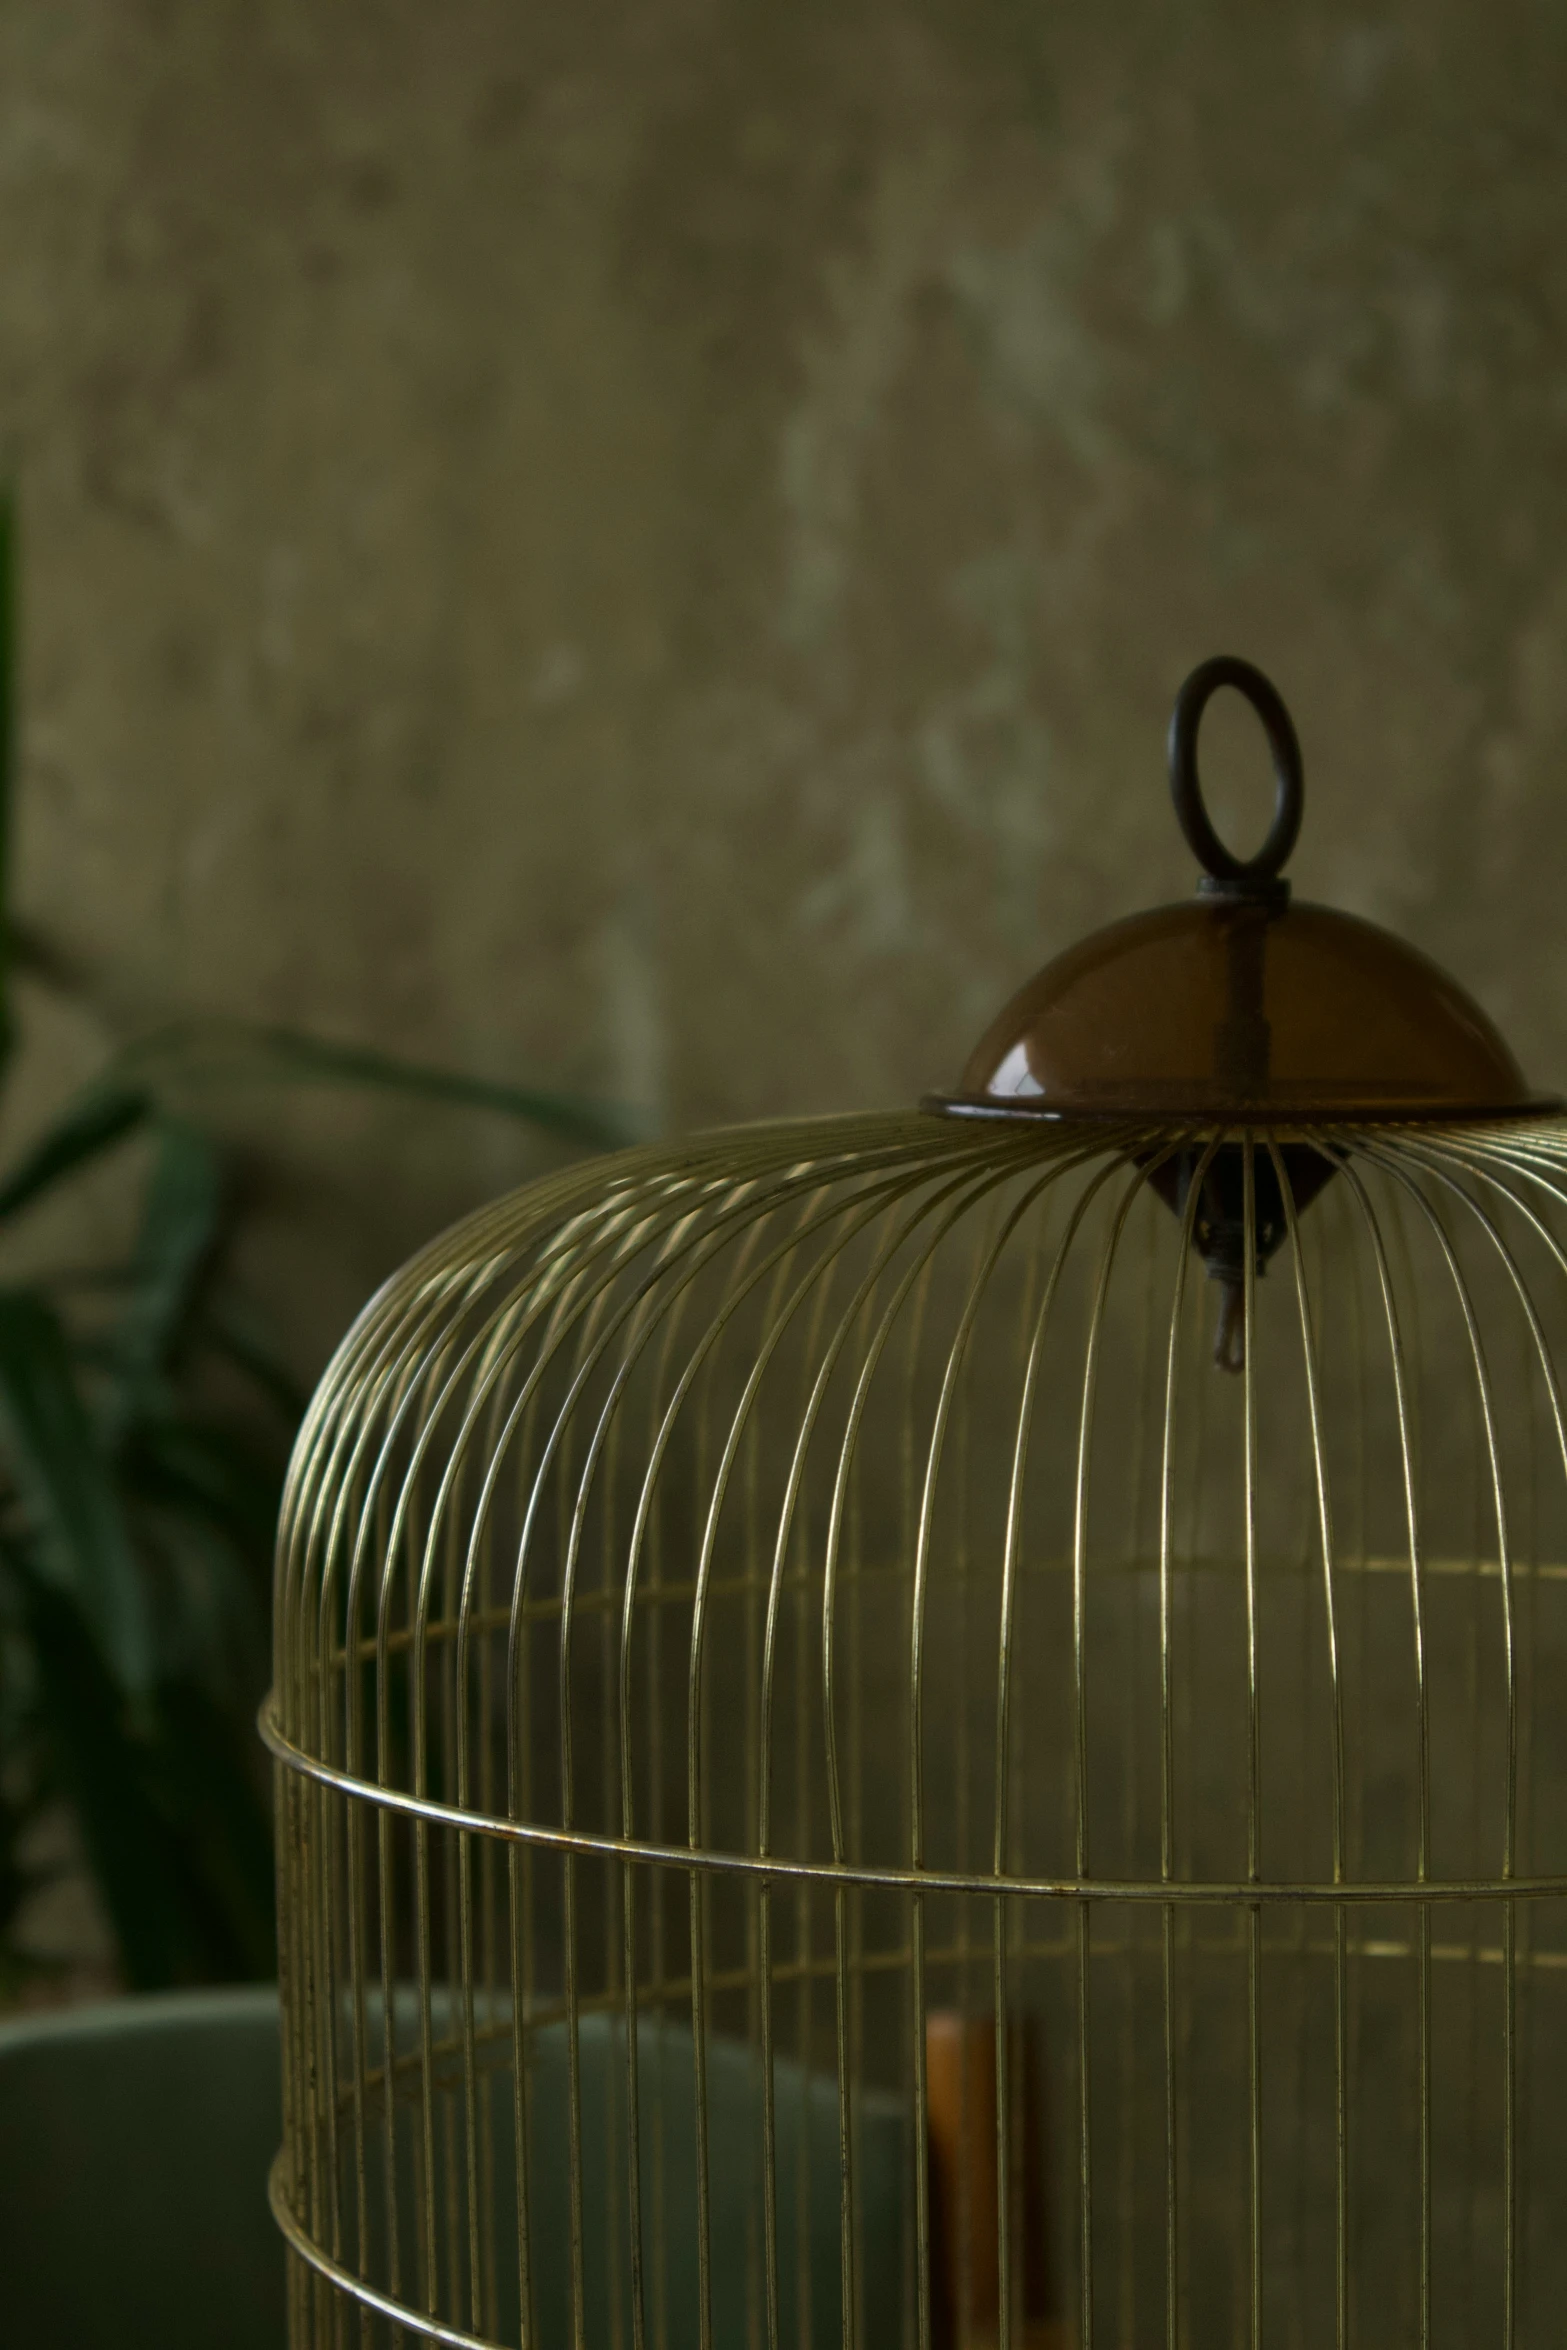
1239	1006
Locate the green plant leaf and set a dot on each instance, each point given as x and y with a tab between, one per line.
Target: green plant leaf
205	1497
231	1332
98	1118
207	1052
79	1544
213	1620
179	1227
216	1816
98	1770
8	742
208	1471
175	1828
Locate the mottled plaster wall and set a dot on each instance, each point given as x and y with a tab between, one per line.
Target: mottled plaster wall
651	543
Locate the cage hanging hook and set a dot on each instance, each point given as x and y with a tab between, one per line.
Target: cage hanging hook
1261	876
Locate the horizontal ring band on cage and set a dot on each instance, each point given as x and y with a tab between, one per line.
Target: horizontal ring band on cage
779	1870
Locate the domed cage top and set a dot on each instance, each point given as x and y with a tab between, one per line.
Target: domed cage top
948	1728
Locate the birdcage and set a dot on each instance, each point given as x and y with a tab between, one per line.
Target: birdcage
948	1728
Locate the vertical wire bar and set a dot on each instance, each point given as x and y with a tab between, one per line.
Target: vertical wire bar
1167	1746
326	1475
651	1516
1185	1698
776	1324
914	1279
1423	1725
287	1788
764	1832
645	1538
384	1891
326	2174
457	2017
1510	1821
1021	2078
764	1915
1253	1735
396	1543
520	1883
649	1519
321	1908
472	1393
520	1902
1355	1811
695	1796
804	1938
1309	1362
565	1700
1509	1951
330	1811
698	1249
1131	1630
476	1596
1524	2297
970	2250
892	1241
751	1671
1529	1562
1302	1949
1475	1980
297	1545
1003	1785
1474	1846
357	1902
917	2268
873	1353
438	1384
423	1968
849	2305
681	1243
489	1928
614	1885
856	1838
855	1223
672	1208
1400	1242
699	1726
916	1770
475	2139
951	1374
1080	1739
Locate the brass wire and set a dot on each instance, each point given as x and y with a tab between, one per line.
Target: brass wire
667	1558
1308	1345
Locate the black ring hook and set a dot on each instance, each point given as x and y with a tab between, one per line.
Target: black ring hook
1257	876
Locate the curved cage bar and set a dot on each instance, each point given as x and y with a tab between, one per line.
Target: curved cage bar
910	1731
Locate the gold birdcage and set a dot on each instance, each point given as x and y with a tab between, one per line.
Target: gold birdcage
936	1729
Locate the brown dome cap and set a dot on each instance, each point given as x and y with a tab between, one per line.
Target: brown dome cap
1237	1004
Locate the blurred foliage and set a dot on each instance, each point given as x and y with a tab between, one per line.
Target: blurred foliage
145	1424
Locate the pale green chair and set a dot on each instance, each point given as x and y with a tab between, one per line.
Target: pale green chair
135	2140
136	2137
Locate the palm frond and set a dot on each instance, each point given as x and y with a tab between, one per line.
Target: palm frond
63	1484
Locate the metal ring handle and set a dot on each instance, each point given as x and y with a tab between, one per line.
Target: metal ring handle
1244	876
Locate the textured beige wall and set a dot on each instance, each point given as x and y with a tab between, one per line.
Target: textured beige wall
651	541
